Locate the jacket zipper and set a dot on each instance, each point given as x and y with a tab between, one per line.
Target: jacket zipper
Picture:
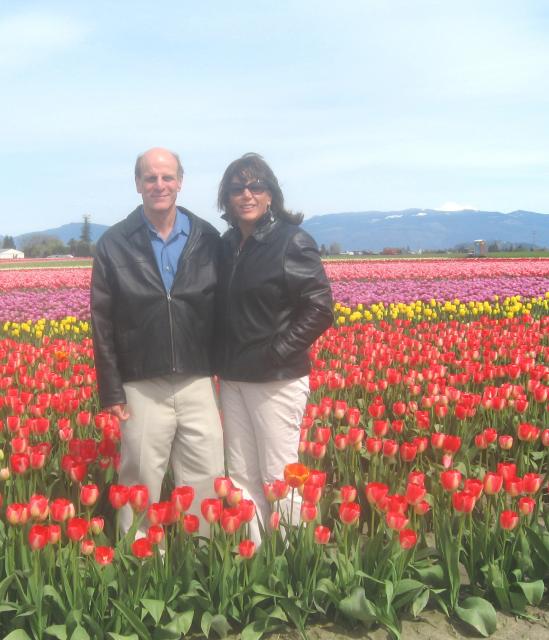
237	255
170	320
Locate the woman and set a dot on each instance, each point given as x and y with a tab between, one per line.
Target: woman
274	301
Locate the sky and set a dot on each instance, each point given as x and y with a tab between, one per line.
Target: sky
359	105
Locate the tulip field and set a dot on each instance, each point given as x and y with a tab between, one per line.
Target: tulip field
422	481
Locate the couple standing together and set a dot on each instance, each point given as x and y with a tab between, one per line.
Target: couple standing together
173	303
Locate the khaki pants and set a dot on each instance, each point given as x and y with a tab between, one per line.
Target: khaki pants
174	420
261	427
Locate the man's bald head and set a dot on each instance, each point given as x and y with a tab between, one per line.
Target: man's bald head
154	152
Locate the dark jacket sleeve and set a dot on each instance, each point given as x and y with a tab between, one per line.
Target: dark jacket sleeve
109	383
310	293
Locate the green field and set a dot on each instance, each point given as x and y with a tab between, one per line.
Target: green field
44	263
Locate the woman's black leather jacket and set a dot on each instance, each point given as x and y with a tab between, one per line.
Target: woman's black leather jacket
274	300
139	330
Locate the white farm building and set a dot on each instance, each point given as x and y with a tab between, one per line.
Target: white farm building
11	254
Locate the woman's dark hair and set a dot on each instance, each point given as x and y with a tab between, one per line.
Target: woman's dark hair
251	166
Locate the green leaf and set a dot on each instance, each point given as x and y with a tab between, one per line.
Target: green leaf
154	607
358	607
134	621
58	631
51	592
220	625
420	603
540	544
407	584
18	634
79	633
477	613
206	623
432	575
118	636
181	622
533	591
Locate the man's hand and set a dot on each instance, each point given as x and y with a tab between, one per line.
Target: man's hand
118	410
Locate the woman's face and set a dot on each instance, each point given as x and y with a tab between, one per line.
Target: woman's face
249	199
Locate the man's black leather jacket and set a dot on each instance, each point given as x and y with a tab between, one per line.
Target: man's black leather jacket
274	300
139	330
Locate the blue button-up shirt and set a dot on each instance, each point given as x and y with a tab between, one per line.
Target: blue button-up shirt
167	252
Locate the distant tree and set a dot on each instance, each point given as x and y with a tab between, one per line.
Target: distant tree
323	250
85	234
40	246
335	249
8	242
84	247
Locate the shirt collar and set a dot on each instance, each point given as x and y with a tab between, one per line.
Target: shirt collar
180	225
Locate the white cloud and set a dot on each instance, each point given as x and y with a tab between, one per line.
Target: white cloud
394	216
420	214
28	38
455	206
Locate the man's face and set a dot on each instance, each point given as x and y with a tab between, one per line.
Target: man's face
158	183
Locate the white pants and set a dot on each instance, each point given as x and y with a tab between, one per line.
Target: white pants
174	420
261	427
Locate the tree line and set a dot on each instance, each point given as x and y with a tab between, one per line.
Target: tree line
41	245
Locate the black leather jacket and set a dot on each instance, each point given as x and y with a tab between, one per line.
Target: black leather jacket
274	300
139	330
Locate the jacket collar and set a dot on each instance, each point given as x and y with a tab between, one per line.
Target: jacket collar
135	221
262	232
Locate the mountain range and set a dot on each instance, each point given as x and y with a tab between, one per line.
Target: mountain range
416	229
427	229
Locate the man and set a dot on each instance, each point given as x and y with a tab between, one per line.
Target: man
152	308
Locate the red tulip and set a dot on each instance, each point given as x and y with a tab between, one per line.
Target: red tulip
155	533
19	463
97	525
322	534
396	520
61	509
87	547
39	507
531	482
415	493
162	513
222	485
38	537
77	528
54	533
138	497
349	512
211	509
230	519
508	520
347	493
246	549
234	496
274	520
190	523
505	442
474	486
407	538
142	548
526	505
104	555
492	483
247	510
375	491
310	493
89	494
463	501
309	511
182	498
408	451
118	495
450	479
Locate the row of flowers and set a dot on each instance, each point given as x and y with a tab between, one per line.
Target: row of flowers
435	269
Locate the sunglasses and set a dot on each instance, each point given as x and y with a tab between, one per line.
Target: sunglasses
256	187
